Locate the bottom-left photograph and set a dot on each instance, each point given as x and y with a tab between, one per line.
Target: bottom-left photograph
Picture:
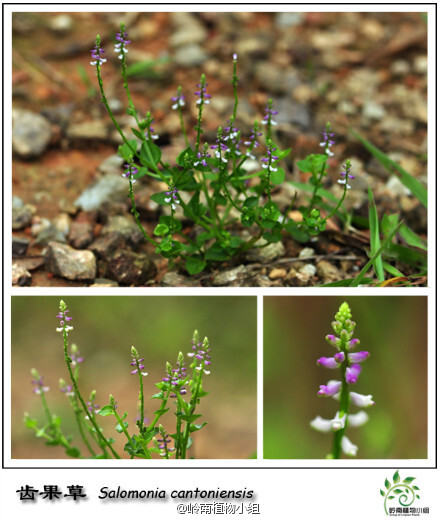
133	377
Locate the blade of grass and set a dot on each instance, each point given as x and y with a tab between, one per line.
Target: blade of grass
375	236
411	183
347	282
357	280
412	238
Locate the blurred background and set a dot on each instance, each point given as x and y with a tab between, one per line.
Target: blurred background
392	329
105	328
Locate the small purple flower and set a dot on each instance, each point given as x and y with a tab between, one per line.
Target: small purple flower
137	361
64	319
345	175
67	389
39	385
330	389
268	120
96	55
235	57
328	362
267	163
201	158
339	357
219	148
130	171
121	46
179	100
352	373
358	357
150	133
164	441
352	343
201	353
172	197
204	97
93	408
327	141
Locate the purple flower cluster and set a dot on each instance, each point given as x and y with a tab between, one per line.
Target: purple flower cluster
204	97
39	385
327	141
178	101
268	120
172	197
345	175
175	376
164	441
96	55
130	171
120	47
252	143
201	158
200	353
151	134
349	364
267	163
64	319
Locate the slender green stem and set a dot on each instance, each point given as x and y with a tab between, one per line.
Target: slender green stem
136	216
77	410
46	409
339	203
141	396
83	404
159	415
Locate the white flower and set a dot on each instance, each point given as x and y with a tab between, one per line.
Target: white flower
348	447
338	423
320	424
358	419
363	401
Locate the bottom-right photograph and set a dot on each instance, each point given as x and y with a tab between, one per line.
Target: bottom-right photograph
345	377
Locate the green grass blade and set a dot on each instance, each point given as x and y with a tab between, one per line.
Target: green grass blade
411	183
347	282
357	280
392	270
412	238
375	236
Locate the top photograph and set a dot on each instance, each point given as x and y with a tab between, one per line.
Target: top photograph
219	149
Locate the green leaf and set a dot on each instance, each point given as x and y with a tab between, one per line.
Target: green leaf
411	183
138	134
161	411
159	395
391	497
313	164
119	428
382	493
30	423
216	253
150	154
392	270
106	410
194	265
187	154
407	255
397	490
282	153
197	427
171	223
73	452
127	152
277	177
415	487
412	238
387	484
161	230
388	222
160	198
357	280
396	478
408	480
374	235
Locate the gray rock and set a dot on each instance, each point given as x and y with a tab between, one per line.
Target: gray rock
65	261
101	282
267	253
308	270
62	24
129	268
126	227
187	35
175	279
112	165
20	276
373	110
88	130
231	277
31	133
289	19
21	216
290	111
62	223
306	252
105	246
30	263
276	79
190	55
81	234
107	188
19	246
45	232
327	272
